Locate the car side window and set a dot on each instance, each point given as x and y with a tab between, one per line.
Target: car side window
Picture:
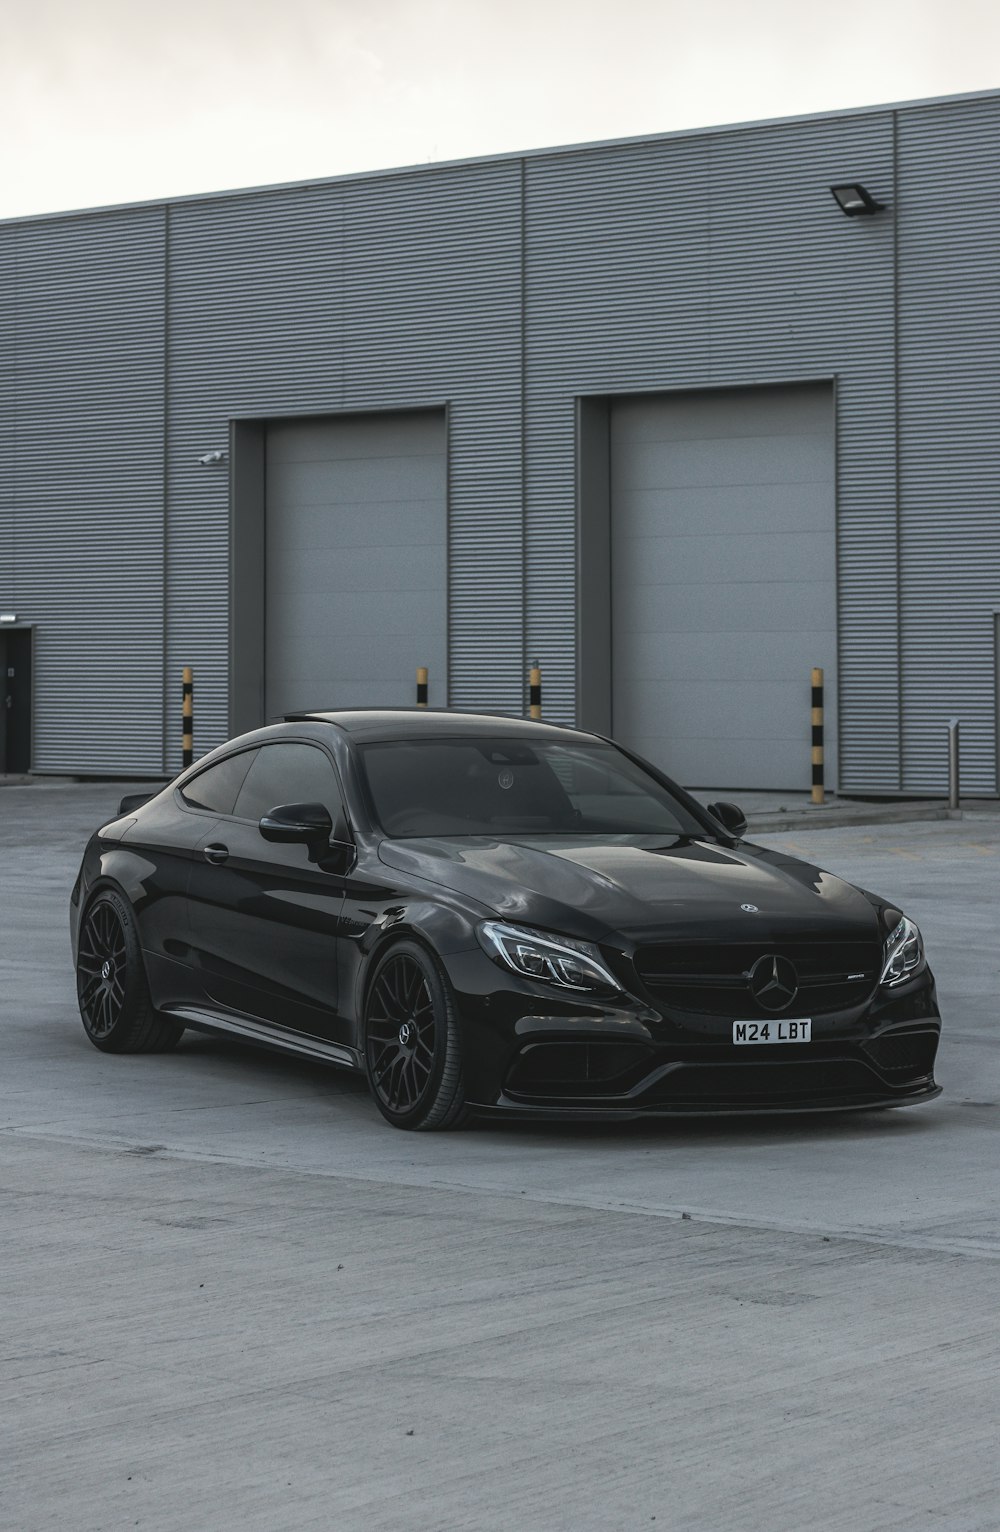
218	786
289	773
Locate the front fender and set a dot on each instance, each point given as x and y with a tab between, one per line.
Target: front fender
442	929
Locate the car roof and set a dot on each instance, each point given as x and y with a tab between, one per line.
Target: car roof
426	723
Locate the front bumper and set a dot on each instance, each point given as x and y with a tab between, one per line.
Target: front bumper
700	1089
533	1053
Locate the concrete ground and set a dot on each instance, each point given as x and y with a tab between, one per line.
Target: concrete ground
231	1297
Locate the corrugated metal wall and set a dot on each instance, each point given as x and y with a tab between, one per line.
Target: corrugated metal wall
254	321
714	261
707	260
8	271
949	201
400	292
82	446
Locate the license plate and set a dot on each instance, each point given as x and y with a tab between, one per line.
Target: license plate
784	1031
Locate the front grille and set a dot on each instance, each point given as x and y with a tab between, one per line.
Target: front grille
712	979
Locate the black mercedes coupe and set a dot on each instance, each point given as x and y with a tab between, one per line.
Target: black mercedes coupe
485	914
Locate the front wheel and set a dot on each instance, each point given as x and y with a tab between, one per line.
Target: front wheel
115	1006
412	1046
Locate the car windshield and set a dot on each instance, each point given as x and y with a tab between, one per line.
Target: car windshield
497	786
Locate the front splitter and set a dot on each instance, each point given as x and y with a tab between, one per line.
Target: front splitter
573	1112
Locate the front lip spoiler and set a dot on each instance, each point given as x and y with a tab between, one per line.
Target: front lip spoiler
505	1107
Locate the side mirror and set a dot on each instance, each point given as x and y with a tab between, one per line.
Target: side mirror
306	823
731	817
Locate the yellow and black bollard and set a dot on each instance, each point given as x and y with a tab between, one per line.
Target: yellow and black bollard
534	692
187	709
817	735
421	686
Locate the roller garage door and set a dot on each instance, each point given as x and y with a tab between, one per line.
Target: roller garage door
356	561
723	542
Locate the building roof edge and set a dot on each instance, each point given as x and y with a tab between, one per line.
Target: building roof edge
498	158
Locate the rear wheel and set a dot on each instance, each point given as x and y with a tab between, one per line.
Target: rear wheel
115	1005
412	1046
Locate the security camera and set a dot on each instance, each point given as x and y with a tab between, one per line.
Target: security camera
207	458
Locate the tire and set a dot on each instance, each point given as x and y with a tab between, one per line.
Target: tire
412	1046
115	1006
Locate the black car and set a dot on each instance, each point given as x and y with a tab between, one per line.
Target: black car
493	915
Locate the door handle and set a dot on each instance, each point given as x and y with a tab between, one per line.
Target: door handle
216	853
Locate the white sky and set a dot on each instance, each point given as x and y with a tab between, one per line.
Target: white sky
114	100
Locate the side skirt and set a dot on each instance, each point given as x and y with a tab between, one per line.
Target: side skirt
254	1032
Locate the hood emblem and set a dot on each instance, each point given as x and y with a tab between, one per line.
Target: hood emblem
773	982
751	909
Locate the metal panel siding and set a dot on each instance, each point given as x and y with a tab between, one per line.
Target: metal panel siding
83	548
433	298
253	322
8	269
714	261
505	291
390	294
950	437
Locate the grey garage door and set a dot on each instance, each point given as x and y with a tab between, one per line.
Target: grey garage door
723	512
356	572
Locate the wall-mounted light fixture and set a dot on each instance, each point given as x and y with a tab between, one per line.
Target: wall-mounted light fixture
209	459
854	199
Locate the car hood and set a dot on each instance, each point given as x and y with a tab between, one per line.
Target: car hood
647	889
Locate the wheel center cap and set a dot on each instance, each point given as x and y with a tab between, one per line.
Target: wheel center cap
106	969
405	1034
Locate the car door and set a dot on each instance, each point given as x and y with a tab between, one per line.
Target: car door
162	847
265	917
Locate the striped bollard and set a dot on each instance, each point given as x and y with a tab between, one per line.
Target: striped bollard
187	719
421	686
535	692
817	735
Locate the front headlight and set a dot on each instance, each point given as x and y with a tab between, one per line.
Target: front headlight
903	953
558	960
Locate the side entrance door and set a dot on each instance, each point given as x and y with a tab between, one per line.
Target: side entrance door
15	701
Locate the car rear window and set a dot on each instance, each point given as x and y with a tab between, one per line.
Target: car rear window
487	786
217	786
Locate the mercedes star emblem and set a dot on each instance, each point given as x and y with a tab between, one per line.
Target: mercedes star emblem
773	982
751	909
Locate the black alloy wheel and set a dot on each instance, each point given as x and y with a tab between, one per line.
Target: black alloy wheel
412	1053
115	1006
